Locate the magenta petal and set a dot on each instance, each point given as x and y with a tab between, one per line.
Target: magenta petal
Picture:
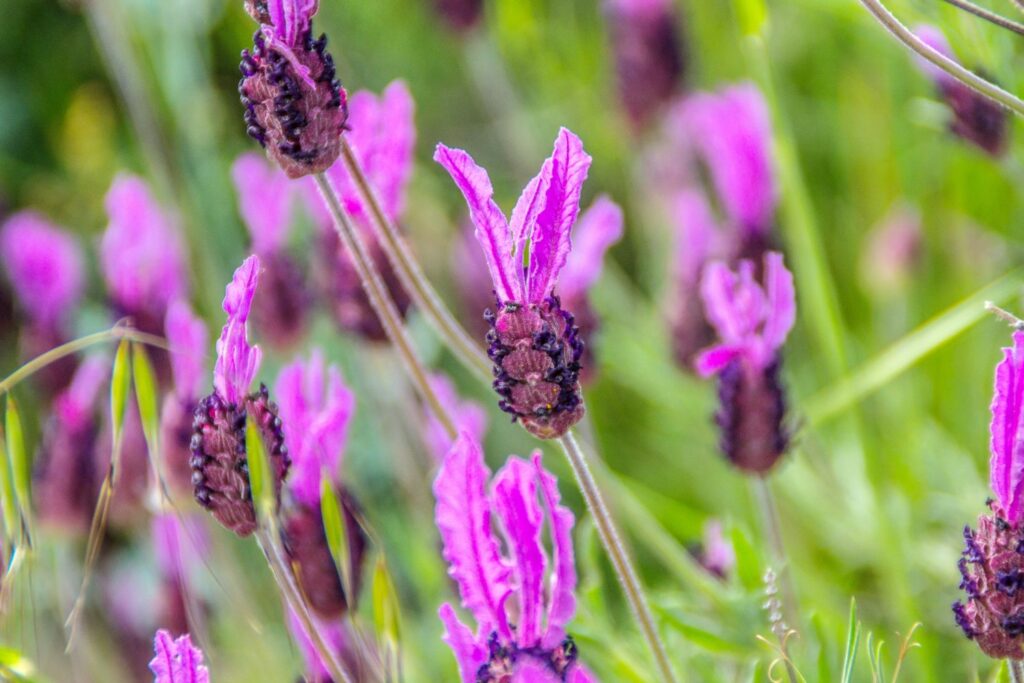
696	237
598	228
237	361
334	636
492	230
76	405
291	18
264	200
781	302
579	674
395	147
1007	461
463	518
45	266
528	208
533	671
934	38
177	661
187	338
515	500
179	543
715	359
562	601
469	652
550	239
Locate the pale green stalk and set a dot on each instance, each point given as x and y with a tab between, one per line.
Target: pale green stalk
1016	668
987	15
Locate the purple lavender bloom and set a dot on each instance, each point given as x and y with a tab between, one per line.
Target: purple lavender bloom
976	118
383	138
280	310
177	660
534	343
752	323
731	133
295	106
336	637
469	417
717	554
188	340
220	473
460	15
520	634
141	255
649	54
46	269
698	241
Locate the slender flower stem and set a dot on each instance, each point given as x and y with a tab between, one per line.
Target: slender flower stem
988	15
773	530
286	582
381	302
617	554
411	275
968	78
1019	4
1016	668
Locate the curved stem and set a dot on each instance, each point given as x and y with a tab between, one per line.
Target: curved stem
1019	4
1016	668
411	275
968	78
987	15
381	302
617	554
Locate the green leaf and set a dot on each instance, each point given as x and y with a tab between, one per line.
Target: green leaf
748	561
852	641
260	481
702	635
386	615
9	510
18	455
120	384
146	396
337	534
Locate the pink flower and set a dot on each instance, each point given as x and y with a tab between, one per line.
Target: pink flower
316	409
598	228
731	131
264	200
141	253
519	630
45	267
335	637
717	554
177	661
469	417
76	405
237	361
187	338
180	543
1007	462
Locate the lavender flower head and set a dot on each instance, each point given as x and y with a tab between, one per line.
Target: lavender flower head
469	417
752	322
698	241
280	310
534	343
316	408
294	104
976	118
220	471
177	660
992	565
141	254
188	340
520	635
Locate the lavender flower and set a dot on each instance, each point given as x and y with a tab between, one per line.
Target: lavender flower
976	118
220	471
187	338
294	104
469	417
520	636
179	544
335	636
461	15
534	343
280	310
649	54
177	660
141	255
316	409
717	555
698	241
752	323
992	566
383	138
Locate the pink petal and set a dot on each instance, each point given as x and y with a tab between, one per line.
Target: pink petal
531	203
187	338
179	543
44	265
781	302
334	636
470	653
580	674
562	601
177	661
237	361
934	38
469	417
529	670
76	405
395	147
718	286
599	228
550	239
264	200
1007	461
697	238
715	359
492	230
291	18
463	518
515	500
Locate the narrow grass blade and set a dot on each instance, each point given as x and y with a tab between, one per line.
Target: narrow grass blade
386	614
852	642
337	534
149	412
120	384
18	456
260	478
8	508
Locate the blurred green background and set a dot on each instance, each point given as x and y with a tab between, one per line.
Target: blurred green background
890	387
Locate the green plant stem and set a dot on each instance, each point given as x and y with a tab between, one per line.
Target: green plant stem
968	78
286	583
773	531
1016	668
987	15
411	275
381	302
617	554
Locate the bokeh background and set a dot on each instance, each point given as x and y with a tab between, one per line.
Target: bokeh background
890	378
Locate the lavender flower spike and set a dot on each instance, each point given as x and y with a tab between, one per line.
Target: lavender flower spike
177	660
520	606
752	323
534	343
294	104
698	241
220	474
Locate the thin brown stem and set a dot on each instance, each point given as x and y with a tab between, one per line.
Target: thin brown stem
988	15
382	303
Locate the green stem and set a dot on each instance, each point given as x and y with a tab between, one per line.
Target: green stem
773	531
617	554
968	78
1016	668
381	302
411	275
987	15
